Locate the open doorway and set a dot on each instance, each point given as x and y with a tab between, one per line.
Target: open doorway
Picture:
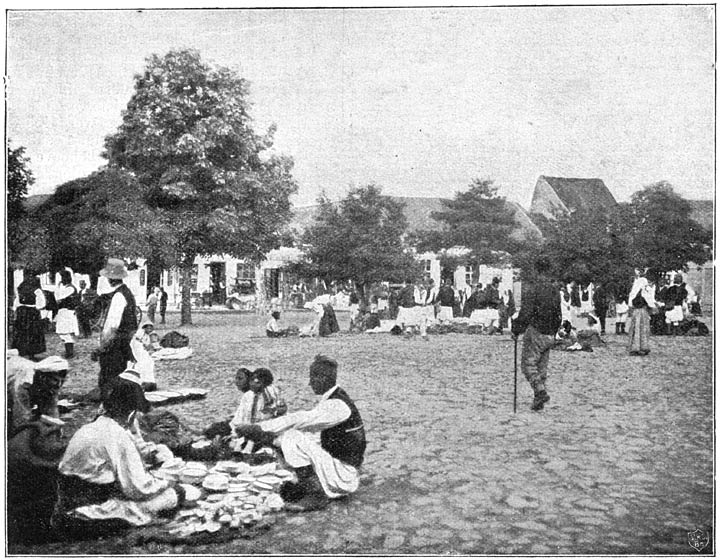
217	283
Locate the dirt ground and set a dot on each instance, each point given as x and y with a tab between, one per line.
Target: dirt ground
620	461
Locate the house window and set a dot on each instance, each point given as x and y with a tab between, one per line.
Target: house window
169	278
245	271
427	268
142	277
194	279
468	275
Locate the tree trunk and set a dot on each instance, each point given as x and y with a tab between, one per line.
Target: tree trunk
185	299
362	290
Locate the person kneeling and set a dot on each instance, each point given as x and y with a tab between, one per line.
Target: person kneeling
325	470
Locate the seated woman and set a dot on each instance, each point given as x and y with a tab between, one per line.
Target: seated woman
103	483
144	342
34	449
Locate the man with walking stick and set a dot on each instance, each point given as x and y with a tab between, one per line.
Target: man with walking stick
539	319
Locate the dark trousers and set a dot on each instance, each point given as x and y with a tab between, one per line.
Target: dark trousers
535	357
112	364
601	312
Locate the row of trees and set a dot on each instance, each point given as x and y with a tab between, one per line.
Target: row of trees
363	238
188	176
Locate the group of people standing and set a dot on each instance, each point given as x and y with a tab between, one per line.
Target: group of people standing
29	327
418	302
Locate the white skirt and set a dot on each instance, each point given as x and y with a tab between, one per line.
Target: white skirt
66	322
675	315
445	314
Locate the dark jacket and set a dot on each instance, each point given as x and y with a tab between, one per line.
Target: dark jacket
540	309
446	296
346	441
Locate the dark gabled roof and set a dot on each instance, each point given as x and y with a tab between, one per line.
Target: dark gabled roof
581	194
703	213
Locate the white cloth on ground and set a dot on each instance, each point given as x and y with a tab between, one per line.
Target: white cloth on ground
172	353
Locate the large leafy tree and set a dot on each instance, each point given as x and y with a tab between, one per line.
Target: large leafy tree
188	138
660	232
94	217
360	240
477	219
26	239
583	246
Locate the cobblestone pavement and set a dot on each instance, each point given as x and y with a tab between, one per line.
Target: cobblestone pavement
620	461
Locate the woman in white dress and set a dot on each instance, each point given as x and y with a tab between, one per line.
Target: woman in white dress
66	324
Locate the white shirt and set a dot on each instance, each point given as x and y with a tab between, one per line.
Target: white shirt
39	300
63	291
115	313
326	414
103	452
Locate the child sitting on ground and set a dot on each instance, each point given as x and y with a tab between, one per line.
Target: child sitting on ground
260	401
273	330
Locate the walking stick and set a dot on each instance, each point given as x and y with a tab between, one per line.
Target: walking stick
515	388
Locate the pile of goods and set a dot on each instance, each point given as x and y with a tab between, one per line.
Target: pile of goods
230	494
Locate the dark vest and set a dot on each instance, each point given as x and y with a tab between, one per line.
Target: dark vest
128	324
346	441
26	293
70	302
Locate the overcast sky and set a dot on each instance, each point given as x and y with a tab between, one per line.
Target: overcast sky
419	101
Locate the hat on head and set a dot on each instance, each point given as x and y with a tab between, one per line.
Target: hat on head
52	364
146	323
114	269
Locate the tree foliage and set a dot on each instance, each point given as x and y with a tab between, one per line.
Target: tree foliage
654	230
660	232
188	137
478	219
26	239
94	217
359	239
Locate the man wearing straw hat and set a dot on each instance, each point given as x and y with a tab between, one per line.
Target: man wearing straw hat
119	326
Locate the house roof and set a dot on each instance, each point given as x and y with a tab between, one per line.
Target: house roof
703	213
579	194
418	212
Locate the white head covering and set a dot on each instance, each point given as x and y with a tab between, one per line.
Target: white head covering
52	364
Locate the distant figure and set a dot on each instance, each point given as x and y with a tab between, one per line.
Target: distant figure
539	319
28	328
152	304
66	323
601	304
84	310
446	299
163	304
641	298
